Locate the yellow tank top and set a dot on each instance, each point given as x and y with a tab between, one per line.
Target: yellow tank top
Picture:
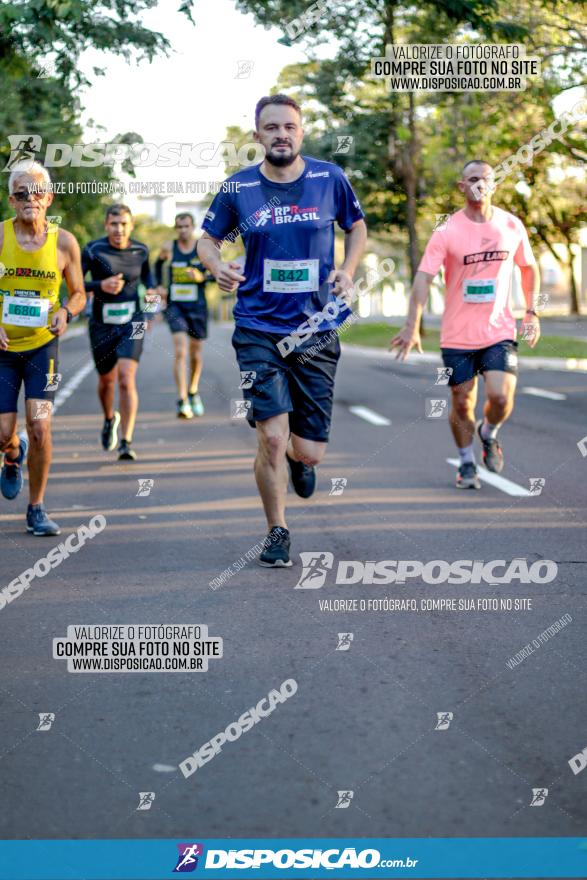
29	290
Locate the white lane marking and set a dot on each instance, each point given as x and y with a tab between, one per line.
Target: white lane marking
164	768
363	412
542	392
69	387
495	480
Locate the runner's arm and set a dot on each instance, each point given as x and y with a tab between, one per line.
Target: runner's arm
530	284
354	246
148	280
146	274
530	276
355	240
409	335
90	286
3	335
164	256
72	272
226	274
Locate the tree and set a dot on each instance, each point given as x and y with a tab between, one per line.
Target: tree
383	22
63	29
40	45
402	142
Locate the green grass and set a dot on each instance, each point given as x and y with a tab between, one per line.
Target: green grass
378	335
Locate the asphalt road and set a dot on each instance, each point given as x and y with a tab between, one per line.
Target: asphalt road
362	719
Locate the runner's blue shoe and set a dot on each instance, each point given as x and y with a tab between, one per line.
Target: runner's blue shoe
11	478
38	522
196	404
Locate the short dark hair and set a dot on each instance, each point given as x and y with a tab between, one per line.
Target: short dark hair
184	215
117	209
275	99
475	162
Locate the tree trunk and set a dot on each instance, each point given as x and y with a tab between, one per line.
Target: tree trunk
410	180
575	305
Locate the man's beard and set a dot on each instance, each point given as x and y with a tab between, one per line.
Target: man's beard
281	160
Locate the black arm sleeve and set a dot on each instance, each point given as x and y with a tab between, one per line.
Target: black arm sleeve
90	286
146	274
159	263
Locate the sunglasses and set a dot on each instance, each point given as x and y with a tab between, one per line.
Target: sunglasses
23	195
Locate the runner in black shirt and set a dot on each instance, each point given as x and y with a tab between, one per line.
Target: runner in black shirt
121	284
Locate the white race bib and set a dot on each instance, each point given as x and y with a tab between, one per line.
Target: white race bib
290	276
117	313
25	311
183	292
479	290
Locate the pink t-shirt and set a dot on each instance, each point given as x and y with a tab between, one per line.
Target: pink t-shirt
478	260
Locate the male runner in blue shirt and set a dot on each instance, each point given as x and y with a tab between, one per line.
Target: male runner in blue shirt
285	210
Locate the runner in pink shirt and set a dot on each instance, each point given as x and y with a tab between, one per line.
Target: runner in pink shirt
477	247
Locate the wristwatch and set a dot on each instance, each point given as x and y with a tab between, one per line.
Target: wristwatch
68	313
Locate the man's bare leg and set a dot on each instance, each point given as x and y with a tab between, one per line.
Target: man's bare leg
40	451
129	397
270	467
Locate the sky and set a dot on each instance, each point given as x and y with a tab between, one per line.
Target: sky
214	75
195	93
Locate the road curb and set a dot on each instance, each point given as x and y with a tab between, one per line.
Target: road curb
575	365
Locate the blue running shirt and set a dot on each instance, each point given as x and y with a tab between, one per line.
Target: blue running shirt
288	233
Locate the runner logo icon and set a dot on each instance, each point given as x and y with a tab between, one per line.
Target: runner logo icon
187	860
436	408
444	719
46	719
53	380
315	565
241	408
247	379
444	374
22	148
539	795
138	329
146	799
263	215
344	641
344	144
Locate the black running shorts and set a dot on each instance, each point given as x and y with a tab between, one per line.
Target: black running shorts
301	384
109	342
467	363
183	319
37	368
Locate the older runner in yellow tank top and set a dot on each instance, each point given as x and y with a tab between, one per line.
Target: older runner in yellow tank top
34	257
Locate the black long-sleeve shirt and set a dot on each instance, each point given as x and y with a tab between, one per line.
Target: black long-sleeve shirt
102	260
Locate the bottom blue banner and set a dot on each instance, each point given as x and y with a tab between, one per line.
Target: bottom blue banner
368	858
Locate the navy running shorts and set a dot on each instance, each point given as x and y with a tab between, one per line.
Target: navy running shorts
467	363
109	342
183	319
301	384
35	369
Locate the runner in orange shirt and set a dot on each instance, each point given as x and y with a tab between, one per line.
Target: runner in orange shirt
478	248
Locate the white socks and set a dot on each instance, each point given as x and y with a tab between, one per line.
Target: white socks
489	432
467	454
